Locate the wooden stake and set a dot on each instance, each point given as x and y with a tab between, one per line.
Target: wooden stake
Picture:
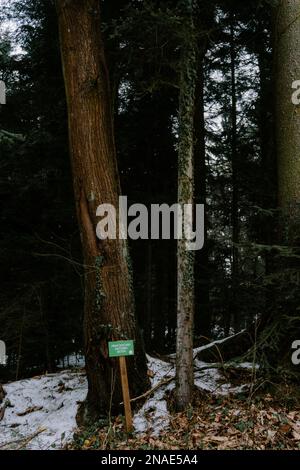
126	396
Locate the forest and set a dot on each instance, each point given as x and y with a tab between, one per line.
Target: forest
150	214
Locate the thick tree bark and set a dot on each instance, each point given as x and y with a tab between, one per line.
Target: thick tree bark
185	258
287	51
109	307
283	319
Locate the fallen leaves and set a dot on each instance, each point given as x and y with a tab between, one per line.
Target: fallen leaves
220	423
2	412
32	409
296	435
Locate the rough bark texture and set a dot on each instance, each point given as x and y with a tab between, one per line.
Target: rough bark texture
287	47
2	393
282	321
185	258
109	308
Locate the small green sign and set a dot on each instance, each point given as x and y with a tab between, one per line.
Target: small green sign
121	348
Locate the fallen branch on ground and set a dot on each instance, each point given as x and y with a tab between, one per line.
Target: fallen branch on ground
23	440
32	409
152	390
217	365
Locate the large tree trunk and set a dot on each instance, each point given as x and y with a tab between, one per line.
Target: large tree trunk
287	48
109	307
185	258
279	328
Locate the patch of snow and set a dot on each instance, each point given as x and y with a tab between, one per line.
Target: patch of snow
49	403
154	415
55	397
160	369
210	379
246	365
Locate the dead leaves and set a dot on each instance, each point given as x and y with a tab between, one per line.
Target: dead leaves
212	423
231	424
2	412
32	409
61	387
296	435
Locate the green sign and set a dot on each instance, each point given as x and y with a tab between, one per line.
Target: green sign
121	348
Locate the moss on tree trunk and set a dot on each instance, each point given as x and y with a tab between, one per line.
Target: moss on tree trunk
109	306
185	258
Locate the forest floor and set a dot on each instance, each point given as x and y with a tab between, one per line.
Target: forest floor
40	413
229	411
221	423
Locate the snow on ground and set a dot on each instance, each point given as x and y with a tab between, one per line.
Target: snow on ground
211	380
154	416
41	412
49	404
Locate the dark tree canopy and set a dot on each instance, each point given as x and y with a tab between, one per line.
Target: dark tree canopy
247	275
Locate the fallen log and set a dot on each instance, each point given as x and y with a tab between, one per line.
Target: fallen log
226	349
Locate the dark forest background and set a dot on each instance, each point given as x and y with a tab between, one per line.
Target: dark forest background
243	279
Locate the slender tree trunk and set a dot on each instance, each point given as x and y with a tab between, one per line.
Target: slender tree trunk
185	258
108	308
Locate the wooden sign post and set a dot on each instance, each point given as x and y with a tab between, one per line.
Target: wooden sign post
121	349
